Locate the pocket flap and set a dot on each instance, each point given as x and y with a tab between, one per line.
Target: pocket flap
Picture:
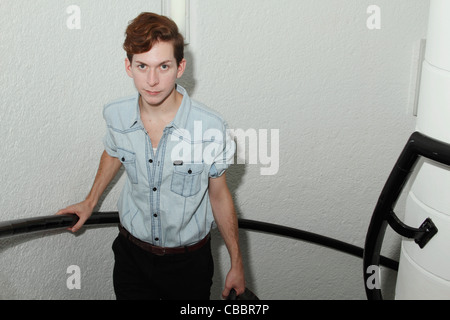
126	156
188	168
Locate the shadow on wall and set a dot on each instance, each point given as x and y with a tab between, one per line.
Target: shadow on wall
187	81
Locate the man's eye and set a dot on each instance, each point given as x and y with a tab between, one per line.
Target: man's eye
164	67
141	66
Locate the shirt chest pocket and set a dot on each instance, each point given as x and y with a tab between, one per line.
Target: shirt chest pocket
186	179
128	159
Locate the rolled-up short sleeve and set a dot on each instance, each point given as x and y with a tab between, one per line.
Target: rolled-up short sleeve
109	145
225	157
108	140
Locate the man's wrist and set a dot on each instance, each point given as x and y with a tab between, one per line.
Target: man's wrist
236	263
91	203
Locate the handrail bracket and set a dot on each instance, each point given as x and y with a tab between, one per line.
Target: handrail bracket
421	235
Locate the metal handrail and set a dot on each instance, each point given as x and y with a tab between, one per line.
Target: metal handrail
52	222
418	145
23	226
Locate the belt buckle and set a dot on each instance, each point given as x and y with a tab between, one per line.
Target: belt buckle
160	252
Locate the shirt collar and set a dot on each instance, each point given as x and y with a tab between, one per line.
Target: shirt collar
183	111
136	119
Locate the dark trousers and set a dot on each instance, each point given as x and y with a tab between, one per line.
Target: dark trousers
141	275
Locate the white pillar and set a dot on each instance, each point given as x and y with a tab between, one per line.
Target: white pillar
425	273
179	12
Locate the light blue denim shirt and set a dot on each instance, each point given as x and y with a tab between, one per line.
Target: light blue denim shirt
165	198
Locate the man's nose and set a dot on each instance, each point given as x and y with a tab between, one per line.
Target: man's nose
152	78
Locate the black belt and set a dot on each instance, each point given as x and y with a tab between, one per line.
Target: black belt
160	251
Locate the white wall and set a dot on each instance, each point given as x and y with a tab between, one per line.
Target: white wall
339	94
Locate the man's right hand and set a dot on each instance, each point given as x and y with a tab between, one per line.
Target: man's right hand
83	210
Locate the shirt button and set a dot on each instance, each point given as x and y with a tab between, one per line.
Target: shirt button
156	239
154	189
123	159
151	160
189	171
155	215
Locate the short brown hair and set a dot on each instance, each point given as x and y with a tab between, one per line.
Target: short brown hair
149	28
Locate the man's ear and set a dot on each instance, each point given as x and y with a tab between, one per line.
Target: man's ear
128	68
181	68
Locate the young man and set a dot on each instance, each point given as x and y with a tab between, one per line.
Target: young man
175	152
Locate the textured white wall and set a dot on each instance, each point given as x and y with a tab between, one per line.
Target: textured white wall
338	93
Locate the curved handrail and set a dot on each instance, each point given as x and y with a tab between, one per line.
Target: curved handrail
313	238
23	226
418	145
29	225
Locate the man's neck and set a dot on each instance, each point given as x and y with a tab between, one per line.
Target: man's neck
168	108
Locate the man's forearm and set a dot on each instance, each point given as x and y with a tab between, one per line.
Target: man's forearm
107	170
227	223
225	218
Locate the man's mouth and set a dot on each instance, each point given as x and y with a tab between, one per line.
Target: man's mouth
152	93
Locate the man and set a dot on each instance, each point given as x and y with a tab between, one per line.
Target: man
175	152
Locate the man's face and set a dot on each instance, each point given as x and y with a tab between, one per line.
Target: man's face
155	72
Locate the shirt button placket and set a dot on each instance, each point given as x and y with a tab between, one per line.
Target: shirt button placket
155	164
156	222
155	217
